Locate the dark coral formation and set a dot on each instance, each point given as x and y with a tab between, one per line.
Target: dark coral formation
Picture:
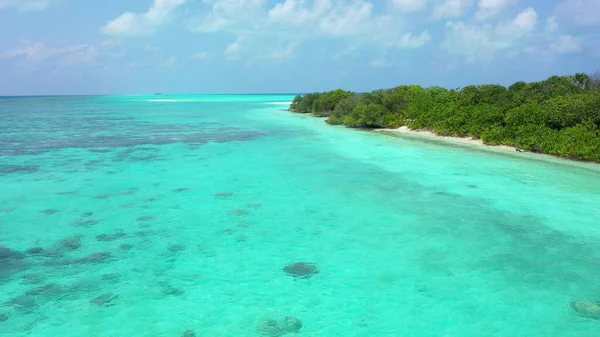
72	243
33	278
9	254
10	261
279	327
587	308
110	237
176	248
85	222
126	246
105	300
302	270
7	169
66	192
239	212
95	258
188	333
145	218
34	251
223	194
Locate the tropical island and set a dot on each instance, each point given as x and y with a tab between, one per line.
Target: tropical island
559	116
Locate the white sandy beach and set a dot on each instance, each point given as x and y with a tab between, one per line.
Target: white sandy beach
429	134
280	103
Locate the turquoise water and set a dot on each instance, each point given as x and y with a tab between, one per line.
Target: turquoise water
158	214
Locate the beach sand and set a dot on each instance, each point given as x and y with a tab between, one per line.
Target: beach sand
429	134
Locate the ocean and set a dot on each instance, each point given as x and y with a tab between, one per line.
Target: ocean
223	215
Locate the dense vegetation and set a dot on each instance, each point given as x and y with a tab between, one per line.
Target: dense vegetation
558	116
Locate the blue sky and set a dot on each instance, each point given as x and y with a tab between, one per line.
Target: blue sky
257	46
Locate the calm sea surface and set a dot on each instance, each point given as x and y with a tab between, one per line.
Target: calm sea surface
152	215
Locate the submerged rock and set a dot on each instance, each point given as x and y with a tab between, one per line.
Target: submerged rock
66	192
7	253
48	290
127	191
50	211
126	246
280	327
223	194
72	243
587	308
239	211
110	237
23	303
4	318
269	327
145	218
179	190
173	291
18	168
292	324
33	278
85	222
105	300
34	251
176	248
97	257
188	333
301	269
110	277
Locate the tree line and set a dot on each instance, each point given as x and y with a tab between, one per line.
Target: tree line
558	116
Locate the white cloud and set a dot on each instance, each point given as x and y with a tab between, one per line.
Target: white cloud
296	12
171	62
580	12
151	48
551	25
285	53
25	5
482	42
37	52
451	8
522	24
278	29
134	24
79	54
233	50
409	6
229	14
382	63
347	20
566	44
111	43
488	9
410	41
200	56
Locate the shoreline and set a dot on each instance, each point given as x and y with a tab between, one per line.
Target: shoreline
477	144
424	135
462	140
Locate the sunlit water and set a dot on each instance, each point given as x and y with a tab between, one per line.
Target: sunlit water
157	214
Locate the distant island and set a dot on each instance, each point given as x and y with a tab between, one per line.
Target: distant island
559	116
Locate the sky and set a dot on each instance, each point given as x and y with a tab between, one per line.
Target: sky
289	46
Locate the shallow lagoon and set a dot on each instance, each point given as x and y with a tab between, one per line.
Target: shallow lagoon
157	214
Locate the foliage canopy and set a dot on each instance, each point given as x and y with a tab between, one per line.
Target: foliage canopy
558	116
